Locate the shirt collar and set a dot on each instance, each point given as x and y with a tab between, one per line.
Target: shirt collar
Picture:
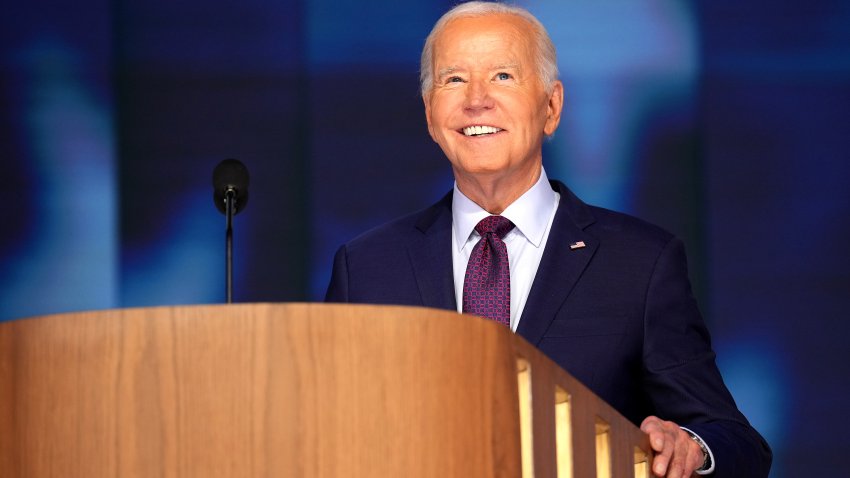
530	213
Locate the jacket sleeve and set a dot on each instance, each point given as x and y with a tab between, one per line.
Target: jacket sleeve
681	377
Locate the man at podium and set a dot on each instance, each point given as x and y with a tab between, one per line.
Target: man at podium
603	294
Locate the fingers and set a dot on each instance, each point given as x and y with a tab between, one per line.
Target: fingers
677	455
661	442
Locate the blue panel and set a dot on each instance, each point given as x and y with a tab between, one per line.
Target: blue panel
619	62
59	242
776	135
198	84
368	34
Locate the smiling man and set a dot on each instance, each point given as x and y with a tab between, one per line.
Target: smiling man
604	295
488	108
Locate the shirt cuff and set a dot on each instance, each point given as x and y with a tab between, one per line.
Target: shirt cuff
709	467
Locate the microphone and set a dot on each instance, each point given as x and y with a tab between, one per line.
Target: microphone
230	193
230	177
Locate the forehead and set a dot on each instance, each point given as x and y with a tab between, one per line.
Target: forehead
491	37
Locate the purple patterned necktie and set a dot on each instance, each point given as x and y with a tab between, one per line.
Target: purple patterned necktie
487	284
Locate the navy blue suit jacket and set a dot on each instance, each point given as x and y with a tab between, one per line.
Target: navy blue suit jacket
617	314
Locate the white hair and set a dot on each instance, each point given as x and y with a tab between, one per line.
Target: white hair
545	56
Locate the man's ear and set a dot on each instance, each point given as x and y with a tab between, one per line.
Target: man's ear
553	108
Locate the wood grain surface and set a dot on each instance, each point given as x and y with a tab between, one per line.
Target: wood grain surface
302	390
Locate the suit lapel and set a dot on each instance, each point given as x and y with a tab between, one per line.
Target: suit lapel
560	267
431	258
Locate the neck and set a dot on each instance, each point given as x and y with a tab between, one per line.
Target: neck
495	192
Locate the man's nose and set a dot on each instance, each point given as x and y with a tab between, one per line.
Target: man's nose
478	96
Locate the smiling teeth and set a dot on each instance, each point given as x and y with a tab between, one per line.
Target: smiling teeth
479	130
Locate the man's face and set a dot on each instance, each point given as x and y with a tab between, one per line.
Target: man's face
488	109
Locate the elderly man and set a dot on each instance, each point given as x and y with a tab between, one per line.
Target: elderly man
604	295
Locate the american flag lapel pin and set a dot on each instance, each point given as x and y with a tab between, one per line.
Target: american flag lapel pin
577	245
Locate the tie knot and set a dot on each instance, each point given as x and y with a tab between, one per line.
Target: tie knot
494	224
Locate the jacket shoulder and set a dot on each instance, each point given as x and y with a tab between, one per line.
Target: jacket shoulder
606	224
402	228
627	227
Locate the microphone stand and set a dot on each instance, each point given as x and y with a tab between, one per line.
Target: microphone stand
229	206
230	194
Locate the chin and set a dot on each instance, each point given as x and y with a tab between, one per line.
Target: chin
482	164
484	167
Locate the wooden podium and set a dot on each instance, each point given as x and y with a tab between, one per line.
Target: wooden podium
300	390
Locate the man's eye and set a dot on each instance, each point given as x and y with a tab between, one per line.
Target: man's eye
503	76
454	79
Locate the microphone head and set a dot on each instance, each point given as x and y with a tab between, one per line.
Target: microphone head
230	175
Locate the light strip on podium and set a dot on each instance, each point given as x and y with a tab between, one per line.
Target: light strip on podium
523	369
641	464
563	434
603	449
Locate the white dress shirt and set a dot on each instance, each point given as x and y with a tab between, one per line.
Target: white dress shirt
532	214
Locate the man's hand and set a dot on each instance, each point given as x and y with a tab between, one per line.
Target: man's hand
677	455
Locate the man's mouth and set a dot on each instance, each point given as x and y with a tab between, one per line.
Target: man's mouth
480	130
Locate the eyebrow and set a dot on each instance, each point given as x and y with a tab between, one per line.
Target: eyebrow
454	69
448	71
